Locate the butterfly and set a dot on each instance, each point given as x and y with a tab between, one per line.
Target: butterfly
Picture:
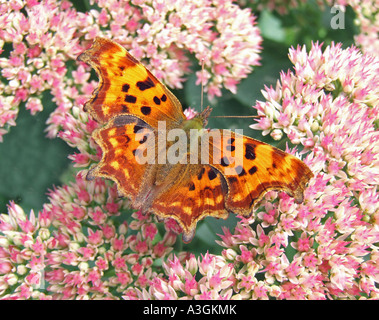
131	104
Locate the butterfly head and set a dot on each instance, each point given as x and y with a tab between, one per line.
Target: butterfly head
204	115
197	122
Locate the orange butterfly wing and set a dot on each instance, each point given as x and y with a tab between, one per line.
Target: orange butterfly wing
119	140
127	87
130	102
262	168
186	193
199	191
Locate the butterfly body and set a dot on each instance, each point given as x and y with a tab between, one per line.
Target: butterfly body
172	166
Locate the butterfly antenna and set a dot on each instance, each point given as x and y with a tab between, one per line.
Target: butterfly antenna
242	117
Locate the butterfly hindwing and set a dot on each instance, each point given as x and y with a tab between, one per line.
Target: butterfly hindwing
200	191
262	168
119	141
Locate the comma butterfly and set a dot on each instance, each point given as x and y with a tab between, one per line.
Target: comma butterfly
138	113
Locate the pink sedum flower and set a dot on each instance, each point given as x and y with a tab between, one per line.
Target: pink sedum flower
65	252
315	250
47	36
367	20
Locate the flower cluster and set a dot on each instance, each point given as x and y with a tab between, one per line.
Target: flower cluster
327	246
83	245
308	103
39	42
36	41
216	32
181	281
80	246
367	19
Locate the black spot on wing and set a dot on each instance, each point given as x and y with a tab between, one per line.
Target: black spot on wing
200	175
125	87
137	128
212	174
253	170
225	162
250	151
146	84
230	148
131	99
156	100
240	171
146	110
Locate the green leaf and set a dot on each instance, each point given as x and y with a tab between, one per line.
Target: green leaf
271	26
274	59
30	163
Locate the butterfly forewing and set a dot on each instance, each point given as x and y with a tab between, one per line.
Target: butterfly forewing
127	87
